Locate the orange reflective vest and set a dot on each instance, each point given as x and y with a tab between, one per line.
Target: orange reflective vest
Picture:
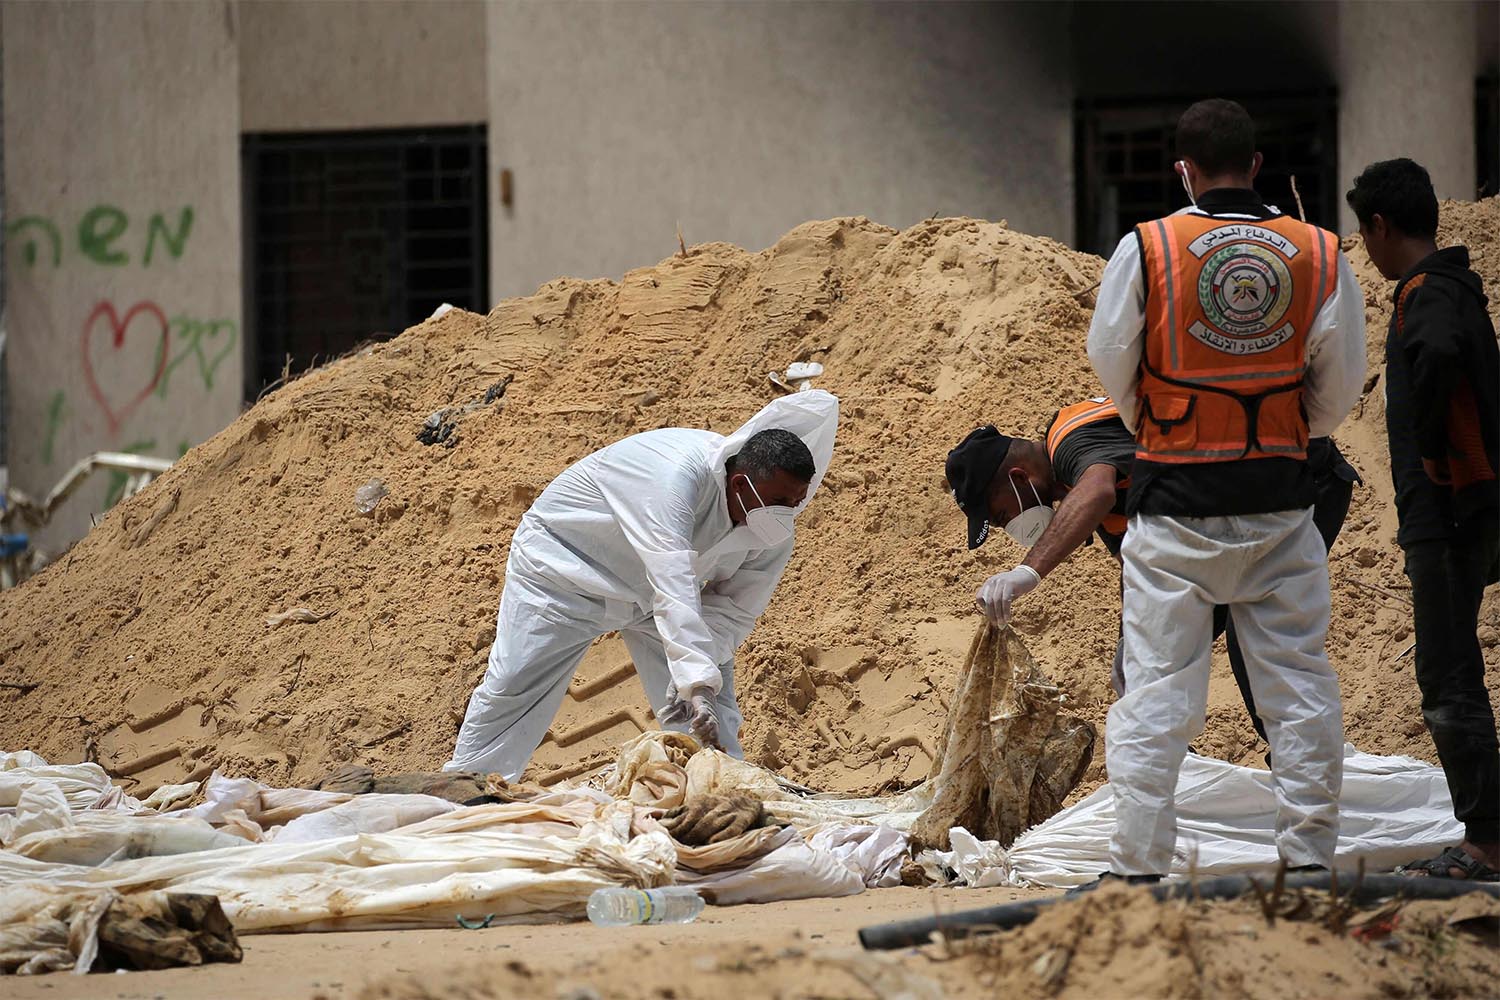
1229	305
1068	420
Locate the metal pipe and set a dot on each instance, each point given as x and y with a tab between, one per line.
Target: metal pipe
910	933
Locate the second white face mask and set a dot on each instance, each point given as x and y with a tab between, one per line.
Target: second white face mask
772	525
1027	526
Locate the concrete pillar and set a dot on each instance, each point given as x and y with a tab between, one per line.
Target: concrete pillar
1406	88
122	229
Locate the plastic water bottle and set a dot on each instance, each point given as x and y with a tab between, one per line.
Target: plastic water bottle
617	907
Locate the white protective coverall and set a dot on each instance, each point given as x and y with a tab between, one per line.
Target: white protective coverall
1270	568
635	538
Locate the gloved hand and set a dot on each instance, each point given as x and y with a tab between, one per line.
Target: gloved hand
697	710
997	596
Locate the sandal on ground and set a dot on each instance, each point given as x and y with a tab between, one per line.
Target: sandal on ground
1470	868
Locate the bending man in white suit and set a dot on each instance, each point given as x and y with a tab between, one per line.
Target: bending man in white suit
676	539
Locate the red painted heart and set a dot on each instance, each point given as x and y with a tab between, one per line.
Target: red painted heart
117	326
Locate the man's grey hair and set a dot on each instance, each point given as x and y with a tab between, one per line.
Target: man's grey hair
770	450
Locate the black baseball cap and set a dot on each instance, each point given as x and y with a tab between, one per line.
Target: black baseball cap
971	467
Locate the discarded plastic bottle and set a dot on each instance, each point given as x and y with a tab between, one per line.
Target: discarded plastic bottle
675	904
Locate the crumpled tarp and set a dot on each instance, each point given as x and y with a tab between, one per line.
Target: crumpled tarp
45	928
509	862
969	861
792	869
302	859
84	787
874	850
651	770
1009	754
297	859
1392	810
461	787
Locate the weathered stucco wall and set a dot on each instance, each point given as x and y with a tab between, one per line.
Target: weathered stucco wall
620	121
740	121
341	65
1406	88
121	150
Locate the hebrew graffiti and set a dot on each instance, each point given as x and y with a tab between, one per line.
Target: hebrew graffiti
177	242
57	414
97	232
103	237
150	324
105	272
28	230
206	341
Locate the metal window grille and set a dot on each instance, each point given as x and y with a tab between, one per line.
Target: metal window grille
1124	161
354	236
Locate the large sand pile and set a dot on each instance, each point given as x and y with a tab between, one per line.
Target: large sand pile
149	642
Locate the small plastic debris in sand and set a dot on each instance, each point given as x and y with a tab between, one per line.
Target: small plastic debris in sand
368	495
798	378
303	615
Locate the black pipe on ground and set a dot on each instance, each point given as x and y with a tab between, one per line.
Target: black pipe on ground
910	933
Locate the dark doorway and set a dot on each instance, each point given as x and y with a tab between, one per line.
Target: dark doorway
1124	161
354	236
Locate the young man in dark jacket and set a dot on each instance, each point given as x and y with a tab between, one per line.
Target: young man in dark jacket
1442	385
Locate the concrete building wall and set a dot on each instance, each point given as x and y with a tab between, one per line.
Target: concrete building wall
346	65
739	121
619	120
1406	88
121	153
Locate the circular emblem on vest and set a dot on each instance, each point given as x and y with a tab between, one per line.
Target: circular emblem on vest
1245	290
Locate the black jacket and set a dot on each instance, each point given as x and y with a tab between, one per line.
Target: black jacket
1442	386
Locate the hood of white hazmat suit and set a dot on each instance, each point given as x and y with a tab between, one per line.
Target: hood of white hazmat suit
645	522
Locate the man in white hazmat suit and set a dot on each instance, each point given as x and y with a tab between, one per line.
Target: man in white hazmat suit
1228	334
675	538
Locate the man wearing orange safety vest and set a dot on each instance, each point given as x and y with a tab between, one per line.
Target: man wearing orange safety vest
1083	465
1228	334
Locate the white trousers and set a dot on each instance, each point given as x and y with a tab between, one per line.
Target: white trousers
1272	570
541	635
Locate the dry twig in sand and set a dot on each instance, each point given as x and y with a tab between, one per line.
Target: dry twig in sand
1346	578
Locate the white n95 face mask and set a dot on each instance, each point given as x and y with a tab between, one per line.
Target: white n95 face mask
772	525
1027	526
1185	185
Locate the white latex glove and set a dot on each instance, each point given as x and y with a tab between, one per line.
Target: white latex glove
697	710
997	597
704	723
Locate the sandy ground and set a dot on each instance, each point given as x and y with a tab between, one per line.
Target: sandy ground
1115	942
332	966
